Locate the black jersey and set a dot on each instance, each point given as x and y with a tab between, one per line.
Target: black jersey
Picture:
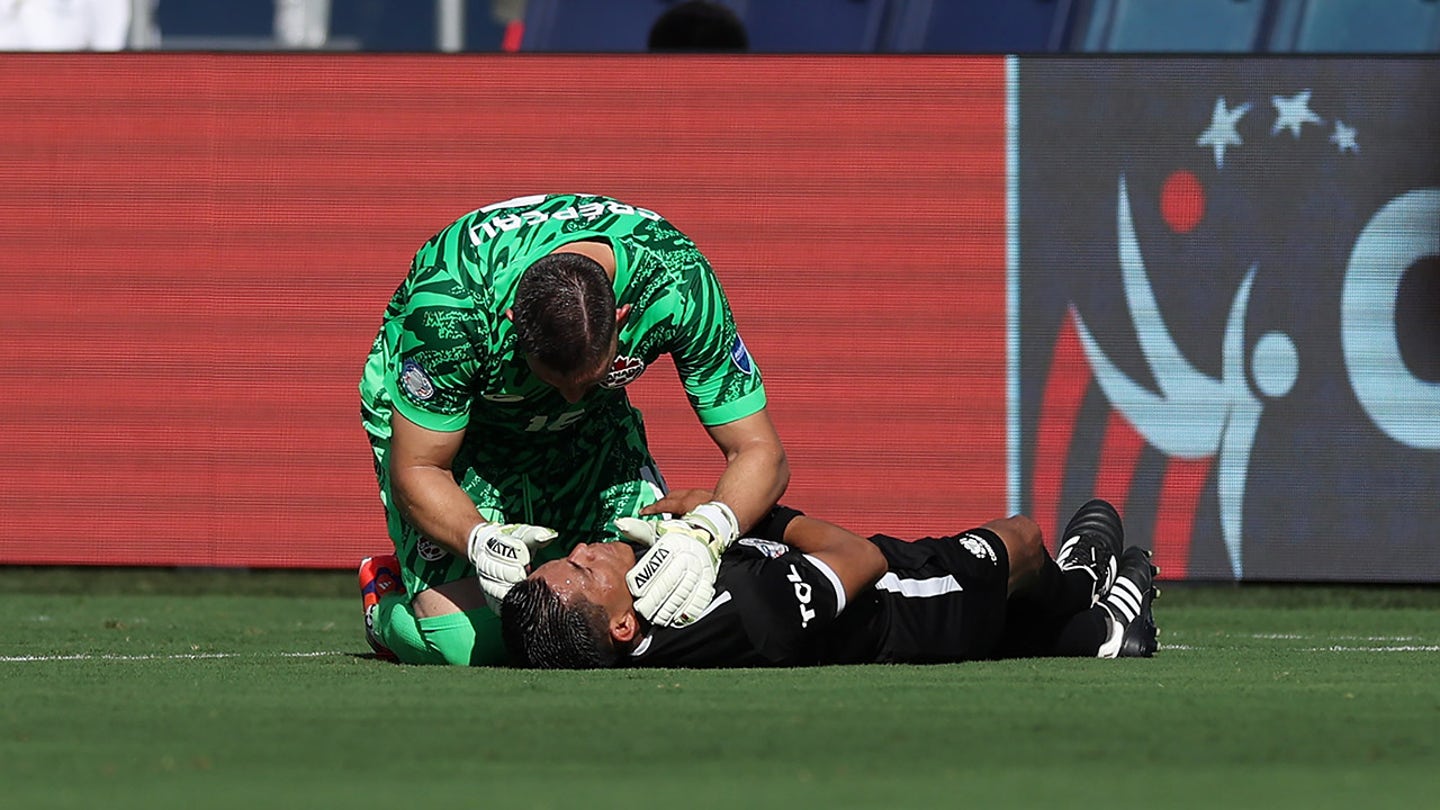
943	599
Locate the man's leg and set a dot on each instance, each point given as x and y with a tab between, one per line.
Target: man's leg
1058	608
1091	545
468	638
457	629
1132	632
1024	547
943	598
1084	568
395	633
1120	626
1021	604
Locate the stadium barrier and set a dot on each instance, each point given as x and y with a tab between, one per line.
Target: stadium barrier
1204	288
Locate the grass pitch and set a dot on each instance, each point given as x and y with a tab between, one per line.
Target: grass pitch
212	689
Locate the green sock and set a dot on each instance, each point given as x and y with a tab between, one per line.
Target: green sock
471	638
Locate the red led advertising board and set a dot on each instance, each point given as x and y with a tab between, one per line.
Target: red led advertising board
197	250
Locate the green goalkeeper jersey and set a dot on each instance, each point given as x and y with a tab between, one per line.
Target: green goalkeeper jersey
445	356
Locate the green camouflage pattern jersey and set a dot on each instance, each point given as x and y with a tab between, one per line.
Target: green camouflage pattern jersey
445	358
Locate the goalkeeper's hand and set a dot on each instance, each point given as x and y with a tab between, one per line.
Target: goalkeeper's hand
718	523
501	556
674	581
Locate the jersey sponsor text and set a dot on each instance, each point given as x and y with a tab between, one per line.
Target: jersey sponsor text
802	595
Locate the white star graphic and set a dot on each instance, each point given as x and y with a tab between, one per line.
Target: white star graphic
1221	132
1291	112
1344	137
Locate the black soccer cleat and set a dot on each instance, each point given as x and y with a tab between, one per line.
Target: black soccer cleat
1092	543
1130	604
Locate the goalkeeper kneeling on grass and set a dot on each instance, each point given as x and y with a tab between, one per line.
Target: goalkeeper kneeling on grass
495	401
797	591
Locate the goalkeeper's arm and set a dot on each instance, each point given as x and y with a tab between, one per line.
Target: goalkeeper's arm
423	486
756	471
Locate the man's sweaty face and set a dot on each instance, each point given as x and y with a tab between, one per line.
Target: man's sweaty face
594	572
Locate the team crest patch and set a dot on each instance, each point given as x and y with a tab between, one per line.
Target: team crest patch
623	371
429	550
769	548
415	381
740	356
976	545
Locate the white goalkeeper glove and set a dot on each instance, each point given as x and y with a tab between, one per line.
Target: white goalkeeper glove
674	581
501	555
717	521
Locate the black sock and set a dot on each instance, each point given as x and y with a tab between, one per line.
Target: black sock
1083	634
1055	593
1054	615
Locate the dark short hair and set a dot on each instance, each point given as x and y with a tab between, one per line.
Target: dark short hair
699	25
540	630
564	312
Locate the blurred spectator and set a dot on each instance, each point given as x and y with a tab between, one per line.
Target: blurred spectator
64	25
697	26
510	16
302	23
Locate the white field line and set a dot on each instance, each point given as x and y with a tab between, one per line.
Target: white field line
1302	637
21	659
1398	648
1377	644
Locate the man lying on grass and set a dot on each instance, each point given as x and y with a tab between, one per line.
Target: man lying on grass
797	591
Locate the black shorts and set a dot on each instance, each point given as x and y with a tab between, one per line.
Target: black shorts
942	600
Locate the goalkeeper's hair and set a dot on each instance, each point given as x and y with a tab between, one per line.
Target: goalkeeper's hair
564	313
540	630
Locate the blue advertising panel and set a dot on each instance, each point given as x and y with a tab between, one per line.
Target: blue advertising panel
1227	274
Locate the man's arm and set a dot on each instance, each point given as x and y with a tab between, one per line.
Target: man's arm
856	561
424	488
755	475
427	496
756	470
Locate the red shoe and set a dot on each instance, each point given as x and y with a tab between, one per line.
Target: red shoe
378	577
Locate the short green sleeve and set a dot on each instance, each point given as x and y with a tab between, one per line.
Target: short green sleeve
438	350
